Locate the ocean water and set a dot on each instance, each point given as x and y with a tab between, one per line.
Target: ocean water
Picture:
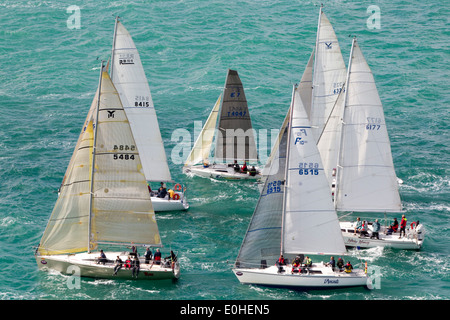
49	74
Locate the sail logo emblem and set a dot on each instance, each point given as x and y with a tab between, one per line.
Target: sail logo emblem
126	59
301	132
299	140
328	45
111	114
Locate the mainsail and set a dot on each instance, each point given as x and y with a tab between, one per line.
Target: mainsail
130	81
104	197
366	179
310	223
235	139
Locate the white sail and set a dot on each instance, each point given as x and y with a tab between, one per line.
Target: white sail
330	138
328	75
310	223
130	81
305	85
366	177
202	147
104	196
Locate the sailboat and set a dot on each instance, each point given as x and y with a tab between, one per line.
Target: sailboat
319	88
128	76
104	201
295	216
365	178
230	124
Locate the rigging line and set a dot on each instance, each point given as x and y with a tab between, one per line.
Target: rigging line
332	110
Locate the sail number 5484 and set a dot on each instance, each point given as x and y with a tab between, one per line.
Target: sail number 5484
125	156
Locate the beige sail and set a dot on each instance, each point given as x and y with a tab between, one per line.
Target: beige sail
202	147
105	166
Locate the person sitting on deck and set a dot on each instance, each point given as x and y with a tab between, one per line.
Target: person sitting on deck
348	267
136	267
389	230
395	225
244	167
280	263
236	166
308	262
358	225
364	232
102	259
253	171
127	264
171	193
118	266
162	192
296	265
340	264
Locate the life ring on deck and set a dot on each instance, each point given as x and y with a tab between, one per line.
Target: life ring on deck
176	196
413	225
177	187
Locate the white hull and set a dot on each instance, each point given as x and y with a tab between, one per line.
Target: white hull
319	276
88	267
412	241
219	171
160	204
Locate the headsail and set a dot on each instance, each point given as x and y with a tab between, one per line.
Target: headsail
235	140
263	237
310	223
202	147
104	194
129	78
366	179
328	75
305	85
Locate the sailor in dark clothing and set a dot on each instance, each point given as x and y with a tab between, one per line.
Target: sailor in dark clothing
136	266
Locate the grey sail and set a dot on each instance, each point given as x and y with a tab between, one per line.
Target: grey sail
261	243
235	139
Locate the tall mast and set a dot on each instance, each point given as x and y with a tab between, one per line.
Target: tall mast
315	60
338	166
95	125
113	46
286	169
